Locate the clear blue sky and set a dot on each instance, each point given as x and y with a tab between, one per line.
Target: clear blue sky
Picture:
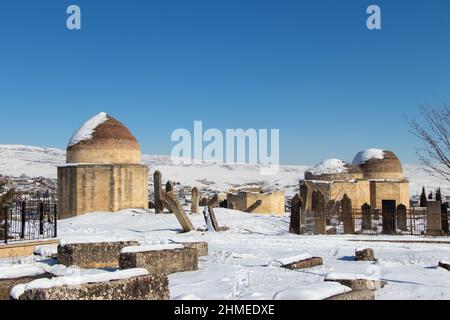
310	68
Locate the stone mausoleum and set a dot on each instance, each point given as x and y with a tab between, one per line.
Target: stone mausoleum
375	177
103	171
255	200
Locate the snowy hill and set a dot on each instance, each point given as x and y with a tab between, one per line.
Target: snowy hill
19	160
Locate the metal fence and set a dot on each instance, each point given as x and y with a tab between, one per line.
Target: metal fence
372	222
28	219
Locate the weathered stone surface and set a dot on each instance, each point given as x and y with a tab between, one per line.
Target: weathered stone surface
354	295
365	255
148	287
332	231
157	186
360	284
346	203
296	207
444	265
304	264
92	255
172	203
195	195
200	246
7	284
161	261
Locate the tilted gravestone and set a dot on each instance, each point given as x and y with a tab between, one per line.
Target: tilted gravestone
347	218
195	195
366	223
157	185
294	226
401	217
171	202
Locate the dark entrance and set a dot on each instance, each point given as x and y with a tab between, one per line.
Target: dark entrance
389	221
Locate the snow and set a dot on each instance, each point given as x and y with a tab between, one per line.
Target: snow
88	128
364	156
349	276
17	160
77	279
22	270
46	250
329	166
153	247
316	291
292	259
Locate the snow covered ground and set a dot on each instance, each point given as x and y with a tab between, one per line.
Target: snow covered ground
16	160
243	262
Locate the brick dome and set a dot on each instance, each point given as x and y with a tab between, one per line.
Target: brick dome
379	164
103	139
333	170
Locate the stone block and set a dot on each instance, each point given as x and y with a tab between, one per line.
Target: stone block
161	261
361	284
145	287
304	264
365	255
354	295
92	255
200	246
7	284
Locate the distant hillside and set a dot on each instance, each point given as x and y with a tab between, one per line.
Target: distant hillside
18	160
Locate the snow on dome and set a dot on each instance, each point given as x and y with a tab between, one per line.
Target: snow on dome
330	166
366	155
87	129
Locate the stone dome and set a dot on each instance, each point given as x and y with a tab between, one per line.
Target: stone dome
103	139
333	169
379	164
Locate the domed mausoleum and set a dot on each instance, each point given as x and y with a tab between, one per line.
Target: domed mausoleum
375	177
103	170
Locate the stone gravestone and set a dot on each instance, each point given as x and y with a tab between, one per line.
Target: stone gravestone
172	203
401	218
434	219
294	226
195	195
366	223
212	215
169	186
157	185
347	218
318	207
444	214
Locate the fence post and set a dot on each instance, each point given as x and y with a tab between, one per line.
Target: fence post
55	219
41	217
23	219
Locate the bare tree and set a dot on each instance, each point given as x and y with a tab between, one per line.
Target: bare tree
434	131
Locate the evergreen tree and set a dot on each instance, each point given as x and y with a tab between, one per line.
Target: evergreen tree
438	195
423	198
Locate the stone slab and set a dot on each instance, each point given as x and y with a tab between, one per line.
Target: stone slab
304	264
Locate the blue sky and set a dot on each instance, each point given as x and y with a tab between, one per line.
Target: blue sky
310	68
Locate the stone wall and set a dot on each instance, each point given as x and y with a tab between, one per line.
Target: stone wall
161	261
147	287
272	203
92	255
389	190
101	187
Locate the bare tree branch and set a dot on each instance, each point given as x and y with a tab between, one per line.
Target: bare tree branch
434	132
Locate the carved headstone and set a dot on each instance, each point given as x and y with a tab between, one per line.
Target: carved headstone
401	217
347	219
318	207
294	226
366	217
195	195
434	218
157	185
212	214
